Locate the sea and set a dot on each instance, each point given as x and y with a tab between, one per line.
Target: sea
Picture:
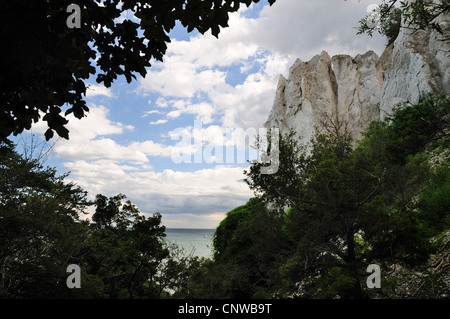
197	241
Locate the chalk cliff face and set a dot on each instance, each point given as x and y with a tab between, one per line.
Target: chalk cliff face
358	90
420	63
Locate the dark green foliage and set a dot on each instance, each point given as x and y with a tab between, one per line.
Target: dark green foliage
247	245
125	248
229	241
213	281
390	27
45	66
37	209
412	128
434	203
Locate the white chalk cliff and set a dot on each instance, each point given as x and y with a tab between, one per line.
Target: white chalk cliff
358	90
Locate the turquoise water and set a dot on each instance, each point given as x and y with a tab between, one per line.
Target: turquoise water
199	240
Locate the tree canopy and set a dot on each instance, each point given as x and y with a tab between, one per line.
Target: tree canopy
45	63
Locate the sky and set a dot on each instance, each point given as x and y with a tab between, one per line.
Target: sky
172	142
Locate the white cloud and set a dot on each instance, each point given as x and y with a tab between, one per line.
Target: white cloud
147	113
206	193
88	140
300	28
158	122
174	114
161	102
205	51
96	123
103	148
151	148
203	111
95	89
247	105
192	67
178	77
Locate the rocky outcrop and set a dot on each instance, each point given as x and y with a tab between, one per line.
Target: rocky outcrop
324	89
358	90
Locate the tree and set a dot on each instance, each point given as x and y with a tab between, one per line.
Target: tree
46	62
351	204
250	241
177	271
248	245
124	249
413	127
39	229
